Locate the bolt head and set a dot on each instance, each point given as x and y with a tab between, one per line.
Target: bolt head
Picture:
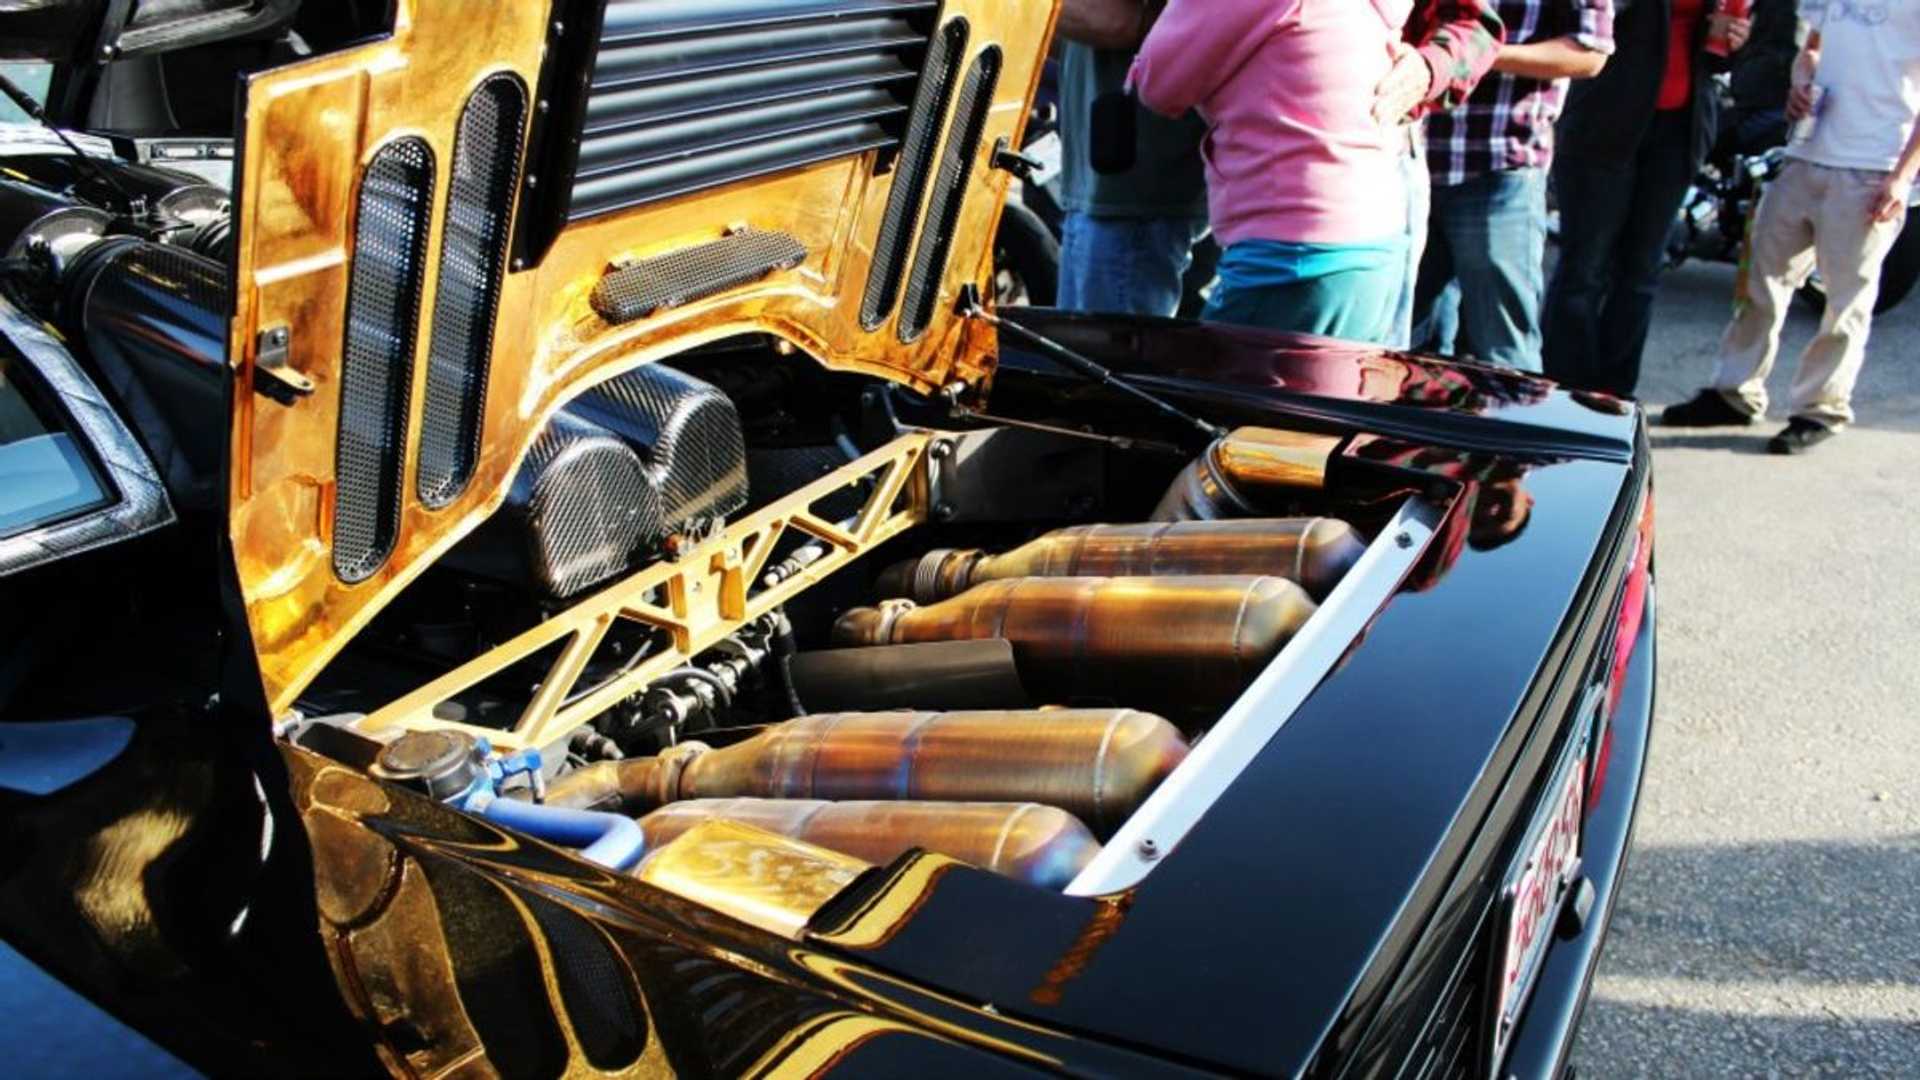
943	511
940	451
1403	539
1148	849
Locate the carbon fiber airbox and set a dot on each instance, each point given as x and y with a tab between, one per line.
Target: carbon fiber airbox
621	468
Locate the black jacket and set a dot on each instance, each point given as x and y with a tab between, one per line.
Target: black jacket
1607	115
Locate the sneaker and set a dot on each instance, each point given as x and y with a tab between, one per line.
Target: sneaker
1708	408
1800	436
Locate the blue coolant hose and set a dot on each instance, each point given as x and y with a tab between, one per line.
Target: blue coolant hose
611	840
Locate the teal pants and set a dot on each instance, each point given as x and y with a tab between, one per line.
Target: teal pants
1334	290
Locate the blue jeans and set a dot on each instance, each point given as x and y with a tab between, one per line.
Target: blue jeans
1124	265
1485	245
1413	167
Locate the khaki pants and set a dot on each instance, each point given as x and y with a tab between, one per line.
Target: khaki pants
1811	215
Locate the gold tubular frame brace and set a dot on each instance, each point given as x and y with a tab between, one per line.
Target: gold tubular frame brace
710	592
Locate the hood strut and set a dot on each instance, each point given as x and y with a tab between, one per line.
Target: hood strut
971	307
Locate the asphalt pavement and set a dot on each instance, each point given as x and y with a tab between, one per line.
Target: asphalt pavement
1770	921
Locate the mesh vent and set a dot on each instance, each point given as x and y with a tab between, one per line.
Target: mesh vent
938	79
486	153
681	277
949	192
376	364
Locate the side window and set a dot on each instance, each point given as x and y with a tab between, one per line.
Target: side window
33	78
45	474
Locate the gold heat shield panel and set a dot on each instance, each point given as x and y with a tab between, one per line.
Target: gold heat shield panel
308	132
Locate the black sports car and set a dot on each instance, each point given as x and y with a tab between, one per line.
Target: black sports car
525	549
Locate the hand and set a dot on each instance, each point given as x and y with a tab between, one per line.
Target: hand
1404	88
1806	64
1735	30
1890	197
1799	102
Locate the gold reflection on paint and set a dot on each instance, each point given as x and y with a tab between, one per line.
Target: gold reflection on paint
887	908
758	877
816	1047
1108	914
110	891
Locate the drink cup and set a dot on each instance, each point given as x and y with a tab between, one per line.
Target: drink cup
1717	44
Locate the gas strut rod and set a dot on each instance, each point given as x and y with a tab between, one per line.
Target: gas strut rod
971	307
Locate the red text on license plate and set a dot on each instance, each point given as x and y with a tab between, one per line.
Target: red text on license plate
1535	889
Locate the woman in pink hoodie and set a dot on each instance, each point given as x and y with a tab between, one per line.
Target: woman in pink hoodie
1305	186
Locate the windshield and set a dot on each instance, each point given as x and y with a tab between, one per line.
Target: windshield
31	76
45	476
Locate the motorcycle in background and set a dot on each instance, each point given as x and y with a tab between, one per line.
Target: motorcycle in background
1714	217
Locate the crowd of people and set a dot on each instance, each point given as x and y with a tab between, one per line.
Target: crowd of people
1380	171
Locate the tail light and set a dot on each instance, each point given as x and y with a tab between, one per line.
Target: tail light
1632	614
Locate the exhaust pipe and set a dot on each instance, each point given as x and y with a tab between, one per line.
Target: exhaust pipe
1185	644
1040	845
1097	764
1230	478
1312	552
938	675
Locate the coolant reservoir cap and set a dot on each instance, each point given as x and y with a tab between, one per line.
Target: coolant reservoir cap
439	763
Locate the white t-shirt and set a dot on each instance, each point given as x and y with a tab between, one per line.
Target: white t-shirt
1870	72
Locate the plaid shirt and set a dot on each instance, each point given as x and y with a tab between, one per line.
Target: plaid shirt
1508	121
1459	40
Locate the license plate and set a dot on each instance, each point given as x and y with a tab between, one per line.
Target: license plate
1536	888
1046	151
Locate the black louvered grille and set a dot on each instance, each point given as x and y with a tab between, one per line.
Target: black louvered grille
938	81
949	192
1451	1047
376	365
486	157
688	96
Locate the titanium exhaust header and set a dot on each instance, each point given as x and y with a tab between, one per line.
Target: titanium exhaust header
1096	764
1178	644
1312	552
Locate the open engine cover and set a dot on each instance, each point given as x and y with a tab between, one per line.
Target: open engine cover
518	156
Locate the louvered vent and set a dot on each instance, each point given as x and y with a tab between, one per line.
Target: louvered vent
689	96
938	82
376	365
949	192
486	158
1451	1048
